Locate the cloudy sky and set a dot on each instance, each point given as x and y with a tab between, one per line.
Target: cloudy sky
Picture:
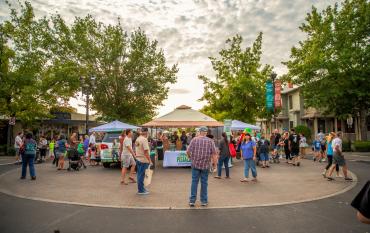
190	31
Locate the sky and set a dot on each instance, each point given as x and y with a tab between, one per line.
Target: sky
191	31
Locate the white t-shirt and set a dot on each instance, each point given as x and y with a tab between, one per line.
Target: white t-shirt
18	142
337	142
92	139
127	142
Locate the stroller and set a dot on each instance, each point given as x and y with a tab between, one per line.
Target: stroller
74	160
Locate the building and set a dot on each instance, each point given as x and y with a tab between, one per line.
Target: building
293	113
62	123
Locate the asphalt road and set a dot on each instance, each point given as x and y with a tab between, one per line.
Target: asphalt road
328	215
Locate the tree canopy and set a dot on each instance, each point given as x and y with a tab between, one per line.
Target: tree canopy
45	62
238	91
332	64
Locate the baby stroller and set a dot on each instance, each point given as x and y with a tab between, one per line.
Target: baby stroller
74	160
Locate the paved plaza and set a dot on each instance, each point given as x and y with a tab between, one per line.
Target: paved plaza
98	186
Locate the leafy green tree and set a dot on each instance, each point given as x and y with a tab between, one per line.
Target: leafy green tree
131	74
332	64
238	92
32	80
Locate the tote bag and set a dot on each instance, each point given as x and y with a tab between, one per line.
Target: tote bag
148	177
232	150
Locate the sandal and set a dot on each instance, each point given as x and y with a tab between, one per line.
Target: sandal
244	180
132	180
217	177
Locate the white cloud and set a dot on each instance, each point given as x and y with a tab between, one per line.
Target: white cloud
191	31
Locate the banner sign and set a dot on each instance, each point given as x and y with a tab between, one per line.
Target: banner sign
227	125
269	96
176	159
277	94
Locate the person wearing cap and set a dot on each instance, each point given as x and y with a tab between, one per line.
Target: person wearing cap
142	159
200	151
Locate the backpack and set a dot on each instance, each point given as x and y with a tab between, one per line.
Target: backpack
30	148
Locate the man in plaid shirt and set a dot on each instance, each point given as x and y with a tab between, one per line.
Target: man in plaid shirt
200	152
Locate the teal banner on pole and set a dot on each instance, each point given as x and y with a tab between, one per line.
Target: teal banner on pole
269	96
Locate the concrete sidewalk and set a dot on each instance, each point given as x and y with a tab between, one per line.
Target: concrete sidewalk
6	160
97	186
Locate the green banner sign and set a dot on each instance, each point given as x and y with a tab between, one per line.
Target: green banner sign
269	96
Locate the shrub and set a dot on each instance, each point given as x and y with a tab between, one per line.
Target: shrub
362	146
11	151
304	130
3	149
346	146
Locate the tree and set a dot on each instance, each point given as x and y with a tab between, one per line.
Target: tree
239	89
332	64
32	80
131	72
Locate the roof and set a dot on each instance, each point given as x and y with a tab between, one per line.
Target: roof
239	125
289	90
315	115
183	116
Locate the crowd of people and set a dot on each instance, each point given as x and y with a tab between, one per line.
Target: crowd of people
134	153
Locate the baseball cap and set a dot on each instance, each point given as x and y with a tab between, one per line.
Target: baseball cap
203	129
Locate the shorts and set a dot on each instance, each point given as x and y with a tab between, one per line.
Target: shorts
316	149
294	153
264	156
60	154
17	151
339	159
323	148
127	161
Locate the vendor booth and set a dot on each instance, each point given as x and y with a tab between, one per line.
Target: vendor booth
185	118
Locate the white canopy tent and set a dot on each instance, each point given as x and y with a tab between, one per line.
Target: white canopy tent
113	126
239	125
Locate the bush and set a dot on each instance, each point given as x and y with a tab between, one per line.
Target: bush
362	146
11	151
346	146
3	149
304	130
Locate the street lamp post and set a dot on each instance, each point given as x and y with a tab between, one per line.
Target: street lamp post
86	86
273	77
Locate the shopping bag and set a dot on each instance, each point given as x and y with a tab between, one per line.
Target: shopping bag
148	177
232	150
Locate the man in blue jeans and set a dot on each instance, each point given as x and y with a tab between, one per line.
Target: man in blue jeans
142	160
200	152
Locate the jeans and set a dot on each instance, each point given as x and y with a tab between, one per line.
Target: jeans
141	167
203	175
223	160
28	160
249	163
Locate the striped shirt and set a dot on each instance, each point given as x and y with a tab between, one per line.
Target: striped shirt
201	150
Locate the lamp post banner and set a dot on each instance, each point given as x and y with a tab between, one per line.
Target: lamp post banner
277	94
269	96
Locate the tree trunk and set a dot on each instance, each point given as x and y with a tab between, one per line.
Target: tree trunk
363	124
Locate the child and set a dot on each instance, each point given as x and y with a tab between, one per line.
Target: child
51	149
317	149
115	149
81	151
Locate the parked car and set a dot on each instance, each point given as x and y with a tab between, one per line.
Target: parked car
106	149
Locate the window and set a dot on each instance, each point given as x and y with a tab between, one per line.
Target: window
291	124
290	102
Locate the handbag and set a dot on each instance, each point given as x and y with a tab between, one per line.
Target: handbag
232	150
148	177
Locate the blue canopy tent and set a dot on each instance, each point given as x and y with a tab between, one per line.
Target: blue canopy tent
239	125
113	126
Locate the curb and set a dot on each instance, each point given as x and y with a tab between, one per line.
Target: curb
353	184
